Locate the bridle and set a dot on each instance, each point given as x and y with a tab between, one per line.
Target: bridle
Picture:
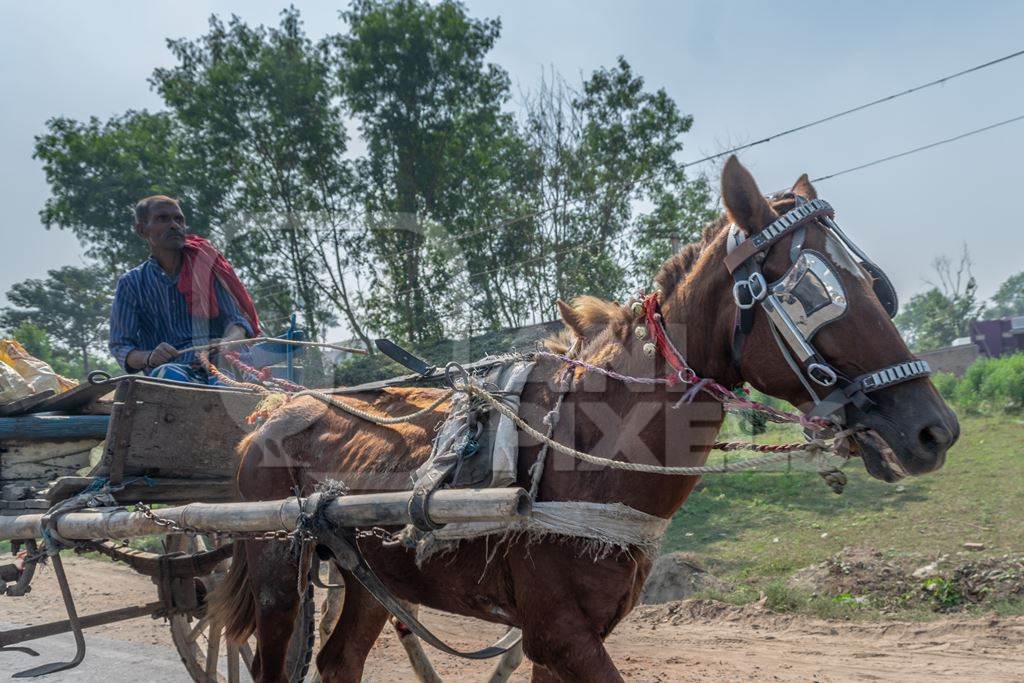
807	297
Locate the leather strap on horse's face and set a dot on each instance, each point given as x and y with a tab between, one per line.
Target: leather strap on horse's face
785	224
807	297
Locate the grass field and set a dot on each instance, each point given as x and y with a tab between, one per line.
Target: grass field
755	529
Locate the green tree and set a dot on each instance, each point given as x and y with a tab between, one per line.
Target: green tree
614	194
262	105
97	171
936	317
414	76
71	305
1009	298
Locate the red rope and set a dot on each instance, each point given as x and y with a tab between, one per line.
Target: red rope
262	375
683	373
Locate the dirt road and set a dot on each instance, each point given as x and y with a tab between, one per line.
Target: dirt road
687	641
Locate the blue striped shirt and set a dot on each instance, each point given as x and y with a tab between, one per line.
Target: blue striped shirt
148	309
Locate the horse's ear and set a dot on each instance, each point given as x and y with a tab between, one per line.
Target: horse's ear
803	187
744	202
571	318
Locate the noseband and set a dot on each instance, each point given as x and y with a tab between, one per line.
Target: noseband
806	298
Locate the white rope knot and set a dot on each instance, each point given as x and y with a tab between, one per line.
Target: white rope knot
691	393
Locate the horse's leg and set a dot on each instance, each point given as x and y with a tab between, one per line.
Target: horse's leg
541	674
558	635
567	651
273	580
344	654
331	607
508	664
421	665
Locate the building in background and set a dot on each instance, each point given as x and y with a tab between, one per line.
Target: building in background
999	337
991	338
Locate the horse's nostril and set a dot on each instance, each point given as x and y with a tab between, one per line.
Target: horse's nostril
935	438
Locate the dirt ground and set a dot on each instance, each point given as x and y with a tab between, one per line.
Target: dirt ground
694	640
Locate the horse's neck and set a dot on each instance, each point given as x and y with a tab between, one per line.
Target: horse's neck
699	317
643	423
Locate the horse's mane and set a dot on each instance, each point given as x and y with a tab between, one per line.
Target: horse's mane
594	315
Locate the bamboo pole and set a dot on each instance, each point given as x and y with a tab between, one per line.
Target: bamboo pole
369	509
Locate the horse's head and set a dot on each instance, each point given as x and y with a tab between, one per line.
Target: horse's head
819	333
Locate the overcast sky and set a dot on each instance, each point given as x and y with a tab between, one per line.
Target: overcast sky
743	69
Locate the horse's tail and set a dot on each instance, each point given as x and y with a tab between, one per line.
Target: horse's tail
231	603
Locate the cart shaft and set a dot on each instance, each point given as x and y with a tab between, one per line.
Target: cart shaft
370	509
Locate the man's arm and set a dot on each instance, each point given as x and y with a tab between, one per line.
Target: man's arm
236	325
124	335
124	326
139	359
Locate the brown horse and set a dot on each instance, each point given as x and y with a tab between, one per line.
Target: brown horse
565	600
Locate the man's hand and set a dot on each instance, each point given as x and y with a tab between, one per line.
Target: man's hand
161	354
233	333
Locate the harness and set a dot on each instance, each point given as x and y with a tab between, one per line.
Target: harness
807	297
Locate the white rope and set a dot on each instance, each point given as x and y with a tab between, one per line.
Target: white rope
276	340
812	448
371	417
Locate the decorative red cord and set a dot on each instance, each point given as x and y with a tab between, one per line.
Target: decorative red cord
683	374
263	375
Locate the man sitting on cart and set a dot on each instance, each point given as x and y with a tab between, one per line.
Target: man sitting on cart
185	294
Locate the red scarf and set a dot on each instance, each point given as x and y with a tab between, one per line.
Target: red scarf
199	261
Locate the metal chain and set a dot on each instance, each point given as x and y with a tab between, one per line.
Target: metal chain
174	527
277	535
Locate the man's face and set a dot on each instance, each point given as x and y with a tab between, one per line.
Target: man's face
164	228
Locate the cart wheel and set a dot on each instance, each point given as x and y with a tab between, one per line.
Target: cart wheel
207	655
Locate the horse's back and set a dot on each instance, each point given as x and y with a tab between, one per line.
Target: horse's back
307	440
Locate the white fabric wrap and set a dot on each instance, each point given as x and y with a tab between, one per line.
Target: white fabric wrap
601	528
505	452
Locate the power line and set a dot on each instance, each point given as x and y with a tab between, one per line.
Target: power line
876	162
918	149
866	105
541	212
882	160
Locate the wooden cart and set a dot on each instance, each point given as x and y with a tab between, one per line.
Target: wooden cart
165	443
174	444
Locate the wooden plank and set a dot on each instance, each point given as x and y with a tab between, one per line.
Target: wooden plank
45	470
119	434
168	491
75	400
48	427
20	635
9	506
17	490
38	451
26	403
178	431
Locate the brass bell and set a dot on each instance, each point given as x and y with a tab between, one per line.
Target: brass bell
638	308
640	332
650	349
